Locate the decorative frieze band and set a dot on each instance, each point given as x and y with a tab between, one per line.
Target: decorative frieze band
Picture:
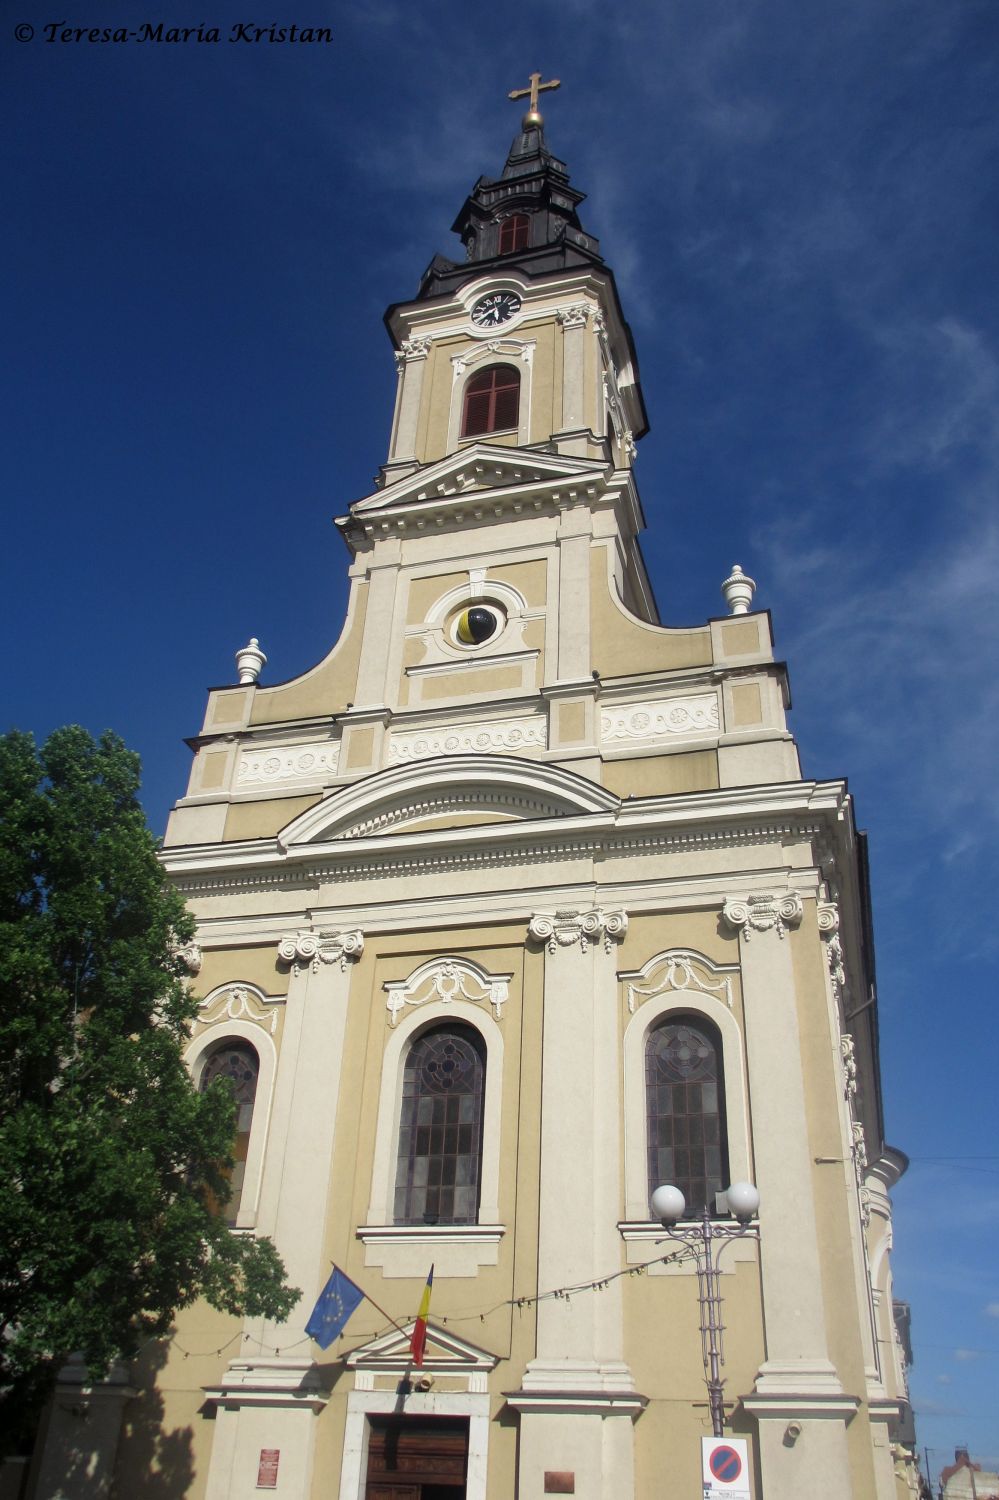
316	761
665	718
566	928
506	734
447	980
317	948
764	913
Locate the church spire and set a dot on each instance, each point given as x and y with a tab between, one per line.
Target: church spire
526	218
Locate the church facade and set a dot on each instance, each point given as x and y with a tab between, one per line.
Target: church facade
514	907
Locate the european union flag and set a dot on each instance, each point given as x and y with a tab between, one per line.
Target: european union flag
337	1301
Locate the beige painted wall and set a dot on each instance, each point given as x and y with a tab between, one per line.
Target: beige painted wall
328	687
263	819
662	775
624	645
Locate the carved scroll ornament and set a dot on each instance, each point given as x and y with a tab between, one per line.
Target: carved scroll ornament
446	980
765	913
566	928
318	948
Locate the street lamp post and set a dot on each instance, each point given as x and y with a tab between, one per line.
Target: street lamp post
705	1242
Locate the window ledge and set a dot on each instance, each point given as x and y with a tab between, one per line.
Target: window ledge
405	1250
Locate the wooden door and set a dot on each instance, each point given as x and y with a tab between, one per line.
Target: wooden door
413	1458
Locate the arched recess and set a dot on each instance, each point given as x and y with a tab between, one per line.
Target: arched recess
379	802
428	1014
654	1003
197	1053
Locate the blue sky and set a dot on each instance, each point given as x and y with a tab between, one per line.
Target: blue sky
799	202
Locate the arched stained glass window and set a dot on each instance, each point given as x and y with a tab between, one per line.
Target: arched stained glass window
492	401
684	1109
238	1062
514	233
440	1129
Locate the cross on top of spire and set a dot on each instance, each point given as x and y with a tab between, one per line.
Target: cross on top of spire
533	116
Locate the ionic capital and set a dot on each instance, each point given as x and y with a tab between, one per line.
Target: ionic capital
764	913
566	928
317	948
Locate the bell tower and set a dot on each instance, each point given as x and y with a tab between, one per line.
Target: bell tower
533	302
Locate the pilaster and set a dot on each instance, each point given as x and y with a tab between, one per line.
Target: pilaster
578	1401
270	1401
797	1389
574	539
412	362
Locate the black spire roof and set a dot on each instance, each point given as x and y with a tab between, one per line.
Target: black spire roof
533	183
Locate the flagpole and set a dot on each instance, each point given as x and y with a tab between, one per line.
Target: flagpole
374	1304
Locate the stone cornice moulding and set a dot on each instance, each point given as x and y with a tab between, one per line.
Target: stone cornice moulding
723	818
563	929
318	948
521	846
763	913
447	980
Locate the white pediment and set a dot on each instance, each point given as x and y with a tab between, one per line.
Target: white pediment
482	466
445	1353
448	791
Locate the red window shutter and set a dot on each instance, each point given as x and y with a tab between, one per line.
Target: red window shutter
492	401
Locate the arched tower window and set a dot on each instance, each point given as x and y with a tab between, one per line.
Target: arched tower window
440	1128
492	401
684	1109
239	1063
514	233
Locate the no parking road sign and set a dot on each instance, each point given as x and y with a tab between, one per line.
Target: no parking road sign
725	1468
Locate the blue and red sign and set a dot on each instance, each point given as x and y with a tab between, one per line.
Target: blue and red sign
725	1464
725	1468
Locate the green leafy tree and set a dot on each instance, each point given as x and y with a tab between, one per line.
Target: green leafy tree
113	1164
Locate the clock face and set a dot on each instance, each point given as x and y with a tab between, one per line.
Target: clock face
498	307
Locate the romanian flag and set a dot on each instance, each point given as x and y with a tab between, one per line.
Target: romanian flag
418	1342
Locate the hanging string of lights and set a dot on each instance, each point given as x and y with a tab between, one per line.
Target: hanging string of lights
563	1293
